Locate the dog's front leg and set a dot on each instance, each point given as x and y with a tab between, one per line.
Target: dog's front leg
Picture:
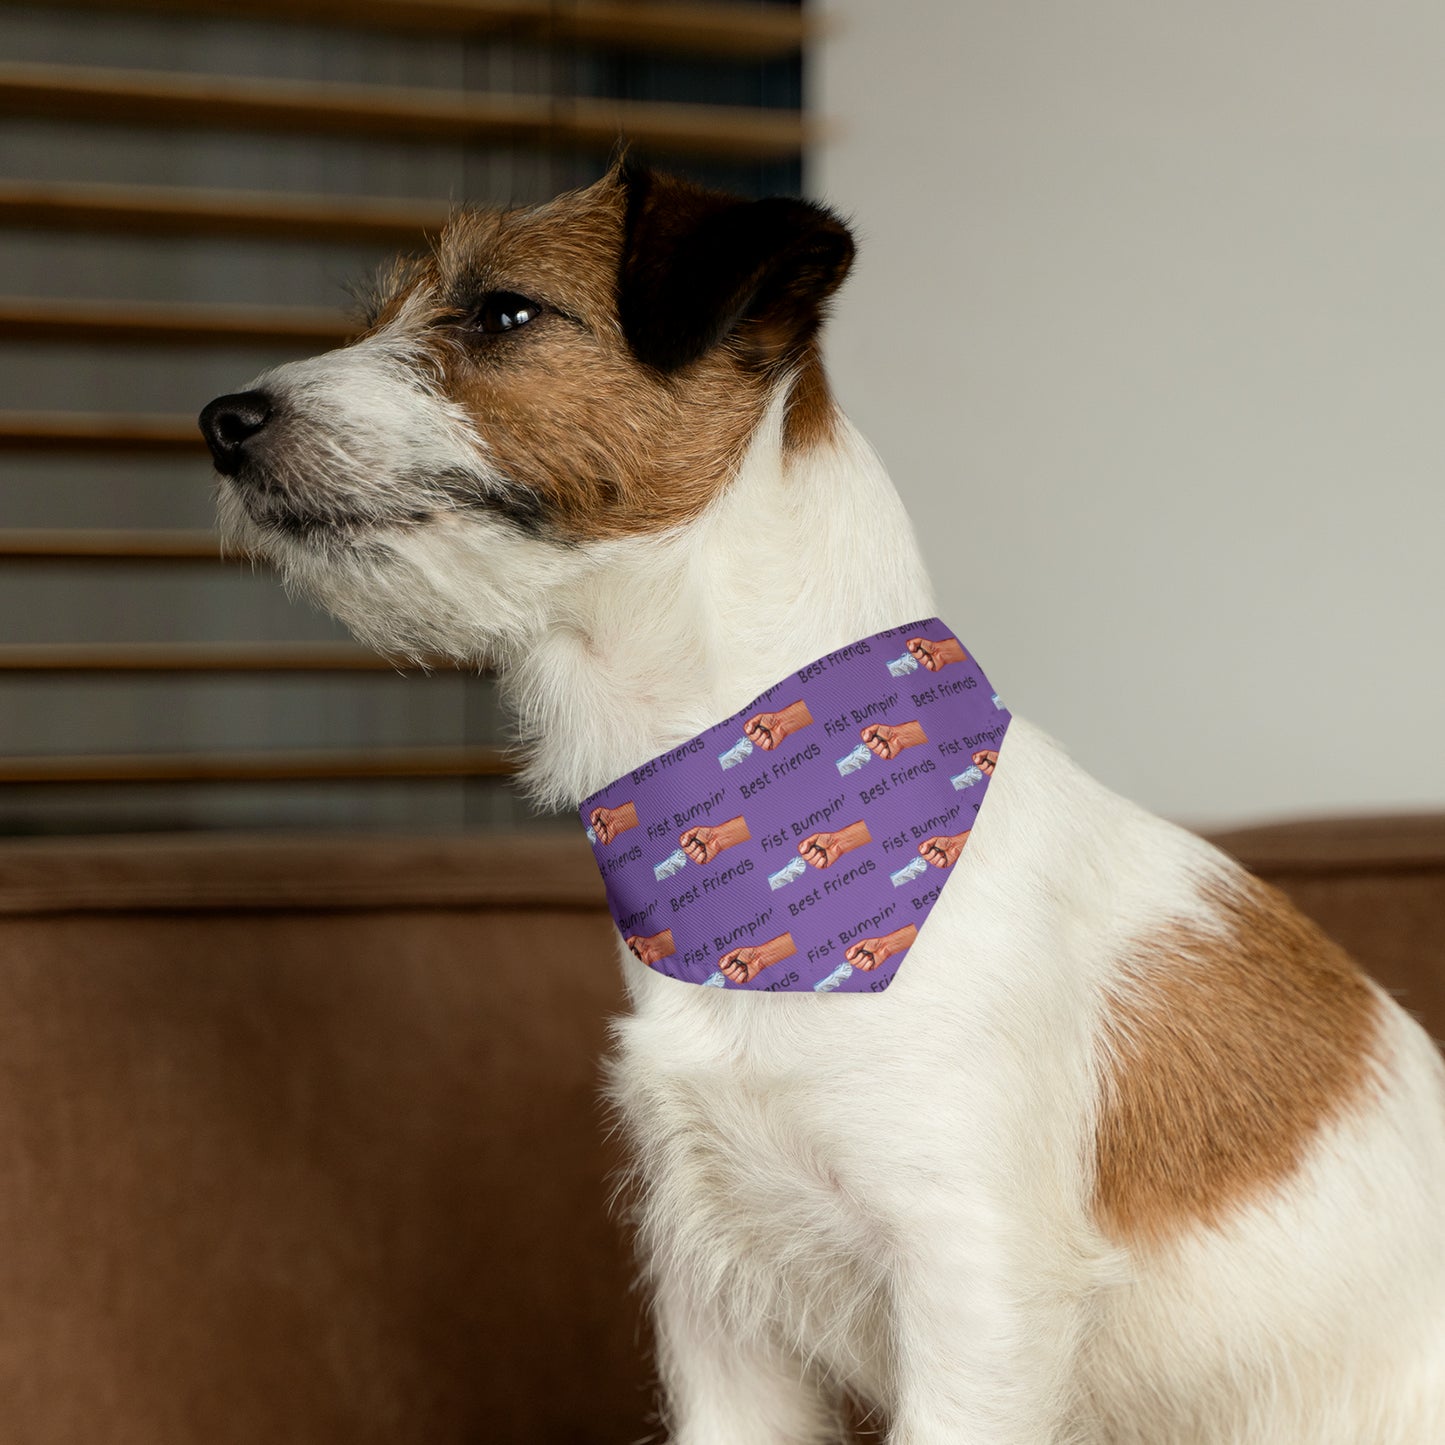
985	1340
724	1386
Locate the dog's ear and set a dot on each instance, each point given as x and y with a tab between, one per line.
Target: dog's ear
699	266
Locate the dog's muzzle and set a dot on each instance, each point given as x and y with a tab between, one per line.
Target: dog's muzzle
230	422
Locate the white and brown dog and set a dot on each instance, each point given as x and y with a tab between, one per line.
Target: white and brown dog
1130	1153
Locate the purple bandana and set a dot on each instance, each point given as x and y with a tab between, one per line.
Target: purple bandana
802	843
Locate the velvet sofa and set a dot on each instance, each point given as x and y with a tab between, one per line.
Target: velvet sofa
302	1139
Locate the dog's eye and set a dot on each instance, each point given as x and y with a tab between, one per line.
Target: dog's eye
504	311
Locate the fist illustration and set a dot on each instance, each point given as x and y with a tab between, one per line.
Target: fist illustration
743	965
943	851
934	655
607	823
823	850
767	729
654	949
888	741
868	953
986	760
703	843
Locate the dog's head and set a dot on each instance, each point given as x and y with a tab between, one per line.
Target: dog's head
564	376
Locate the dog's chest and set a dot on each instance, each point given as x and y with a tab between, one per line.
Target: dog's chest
753	1171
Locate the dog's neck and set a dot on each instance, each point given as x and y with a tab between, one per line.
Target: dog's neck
660	637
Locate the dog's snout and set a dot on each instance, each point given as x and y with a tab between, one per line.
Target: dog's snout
229	422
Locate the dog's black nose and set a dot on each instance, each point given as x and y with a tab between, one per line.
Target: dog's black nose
229	422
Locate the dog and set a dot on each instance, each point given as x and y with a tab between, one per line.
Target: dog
1129	1153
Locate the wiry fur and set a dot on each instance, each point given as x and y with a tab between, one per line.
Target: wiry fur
895	1196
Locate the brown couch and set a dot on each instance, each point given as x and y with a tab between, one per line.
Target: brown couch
302	1143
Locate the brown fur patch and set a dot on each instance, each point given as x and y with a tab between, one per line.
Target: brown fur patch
604	445
1225	1055
812	413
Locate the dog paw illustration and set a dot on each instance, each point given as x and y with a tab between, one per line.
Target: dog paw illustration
934	655
943	850
768	729
868	953
607	823
823	850
704	842
888	740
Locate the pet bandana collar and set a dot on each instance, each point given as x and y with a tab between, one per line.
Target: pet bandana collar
801	844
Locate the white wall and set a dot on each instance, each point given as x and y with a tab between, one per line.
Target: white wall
1149	324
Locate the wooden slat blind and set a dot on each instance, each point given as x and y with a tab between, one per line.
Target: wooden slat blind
98	544
77	431
278	766
326	108
96	322
202	657
173	211
109	96
711	29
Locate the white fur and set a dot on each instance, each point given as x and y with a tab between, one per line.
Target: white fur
890	1194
